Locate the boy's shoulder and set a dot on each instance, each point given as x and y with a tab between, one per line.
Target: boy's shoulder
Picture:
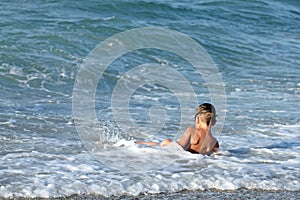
191	128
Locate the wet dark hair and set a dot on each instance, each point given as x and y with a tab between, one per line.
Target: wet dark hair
207	112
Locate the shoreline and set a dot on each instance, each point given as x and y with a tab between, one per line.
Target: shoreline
206	194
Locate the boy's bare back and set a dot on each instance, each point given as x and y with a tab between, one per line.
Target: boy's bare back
197	139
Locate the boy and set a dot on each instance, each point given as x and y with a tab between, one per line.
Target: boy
198	139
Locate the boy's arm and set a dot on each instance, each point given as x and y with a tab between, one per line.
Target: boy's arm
148	143
185	140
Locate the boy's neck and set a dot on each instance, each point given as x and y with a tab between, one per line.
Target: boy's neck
202	126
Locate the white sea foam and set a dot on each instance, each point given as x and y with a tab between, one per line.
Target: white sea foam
37	174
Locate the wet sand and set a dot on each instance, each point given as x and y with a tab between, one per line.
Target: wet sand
210	194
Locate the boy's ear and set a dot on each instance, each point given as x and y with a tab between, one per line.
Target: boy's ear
213	122
197	119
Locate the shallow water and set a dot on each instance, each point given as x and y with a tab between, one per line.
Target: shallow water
42	46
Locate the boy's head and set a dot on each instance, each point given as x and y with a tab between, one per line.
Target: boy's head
207	113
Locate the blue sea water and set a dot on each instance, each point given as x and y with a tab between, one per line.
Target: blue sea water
255	45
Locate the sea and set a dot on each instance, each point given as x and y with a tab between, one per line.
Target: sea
81	81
